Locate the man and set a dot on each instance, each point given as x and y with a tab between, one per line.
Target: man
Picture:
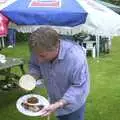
63	66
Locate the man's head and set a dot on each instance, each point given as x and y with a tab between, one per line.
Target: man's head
44	43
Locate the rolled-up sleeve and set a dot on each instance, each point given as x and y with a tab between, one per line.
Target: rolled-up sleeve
79	86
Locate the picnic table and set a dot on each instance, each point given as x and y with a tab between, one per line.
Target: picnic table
5	69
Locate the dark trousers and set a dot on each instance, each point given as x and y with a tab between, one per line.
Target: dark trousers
77	115
11	36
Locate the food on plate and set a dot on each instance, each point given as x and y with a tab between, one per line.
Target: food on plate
32	100
32	104
33	108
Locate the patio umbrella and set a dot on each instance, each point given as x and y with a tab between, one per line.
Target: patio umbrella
66	16
44	12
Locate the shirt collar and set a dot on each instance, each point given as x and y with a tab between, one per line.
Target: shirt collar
62	51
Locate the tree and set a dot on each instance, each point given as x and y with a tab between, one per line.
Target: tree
116	2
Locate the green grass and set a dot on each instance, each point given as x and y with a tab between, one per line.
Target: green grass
104	100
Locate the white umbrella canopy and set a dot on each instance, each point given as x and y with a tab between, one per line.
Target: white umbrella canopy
100	20
115	8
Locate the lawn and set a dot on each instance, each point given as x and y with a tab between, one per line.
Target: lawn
104	100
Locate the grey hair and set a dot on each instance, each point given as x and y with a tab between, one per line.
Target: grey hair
44	38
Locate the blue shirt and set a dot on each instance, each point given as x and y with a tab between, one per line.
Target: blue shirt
67	77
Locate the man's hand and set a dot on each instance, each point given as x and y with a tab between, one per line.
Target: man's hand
46	111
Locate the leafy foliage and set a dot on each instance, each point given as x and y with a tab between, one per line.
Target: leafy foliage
116	2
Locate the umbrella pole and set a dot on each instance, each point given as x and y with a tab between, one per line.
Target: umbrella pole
98	45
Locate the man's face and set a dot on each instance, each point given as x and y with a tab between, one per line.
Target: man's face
46	55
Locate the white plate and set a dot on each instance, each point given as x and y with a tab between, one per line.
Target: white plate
27	82
42	101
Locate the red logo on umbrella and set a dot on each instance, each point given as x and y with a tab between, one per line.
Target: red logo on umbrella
45	3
